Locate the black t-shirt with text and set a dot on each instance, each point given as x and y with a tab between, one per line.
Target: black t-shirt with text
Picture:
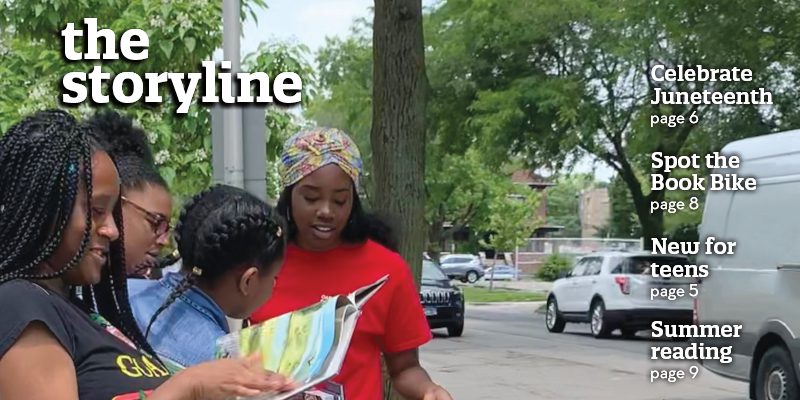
107	364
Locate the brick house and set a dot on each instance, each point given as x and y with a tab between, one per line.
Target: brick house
594	211
540	184
534	182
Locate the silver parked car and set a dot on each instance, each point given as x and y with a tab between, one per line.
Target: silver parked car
464	267
501	272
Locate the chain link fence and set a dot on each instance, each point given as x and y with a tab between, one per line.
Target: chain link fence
530	257
579	246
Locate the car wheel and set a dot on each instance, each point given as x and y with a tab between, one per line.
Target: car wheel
597	320
472	276
553	319
776	377
456	330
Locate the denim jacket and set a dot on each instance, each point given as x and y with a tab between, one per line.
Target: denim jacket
187	331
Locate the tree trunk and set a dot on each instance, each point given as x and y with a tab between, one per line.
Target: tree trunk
652	224
398	125
491	278
652	228
435	240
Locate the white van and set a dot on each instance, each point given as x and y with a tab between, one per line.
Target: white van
759	285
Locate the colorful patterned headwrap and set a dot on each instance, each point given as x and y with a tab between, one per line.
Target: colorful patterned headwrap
308	150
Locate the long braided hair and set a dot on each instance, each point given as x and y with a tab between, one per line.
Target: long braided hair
127	145
220	229
43	161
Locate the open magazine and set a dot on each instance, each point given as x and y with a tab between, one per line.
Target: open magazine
306	345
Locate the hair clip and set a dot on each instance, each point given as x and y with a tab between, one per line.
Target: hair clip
279	232
197	271
71	168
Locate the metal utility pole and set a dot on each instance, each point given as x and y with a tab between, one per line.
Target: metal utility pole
233	155
238	133
255	136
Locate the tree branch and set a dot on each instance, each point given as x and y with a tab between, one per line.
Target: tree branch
464	218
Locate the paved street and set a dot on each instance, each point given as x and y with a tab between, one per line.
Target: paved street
506	353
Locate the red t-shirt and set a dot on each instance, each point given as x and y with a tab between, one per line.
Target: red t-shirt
392	320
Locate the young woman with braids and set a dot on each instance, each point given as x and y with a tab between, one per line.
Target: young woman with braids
59	219
146	200
232	247
335	248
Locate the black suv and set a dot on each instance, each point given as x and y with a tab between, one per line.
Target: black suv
443	302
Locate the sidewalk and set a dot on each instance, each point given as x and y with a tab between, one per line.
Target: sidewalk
528	307
526	285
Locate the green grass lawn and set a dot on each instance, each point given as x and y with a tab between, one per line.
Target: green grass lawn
483	295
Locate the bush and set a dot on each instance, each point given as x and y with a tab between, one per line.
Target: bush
554	266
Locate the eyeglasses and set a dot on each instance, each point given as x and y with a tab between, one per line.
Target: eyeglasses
159	222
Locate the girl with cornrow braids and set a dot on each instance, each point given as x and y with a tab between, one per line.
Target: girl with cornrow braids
146	200
232	247
59	231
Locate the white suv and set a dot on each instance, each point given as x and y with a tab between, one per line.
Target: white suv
611	290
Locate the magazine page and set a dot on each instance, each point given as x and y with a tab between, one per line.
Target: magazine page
362	295
297	344
346	318
307	345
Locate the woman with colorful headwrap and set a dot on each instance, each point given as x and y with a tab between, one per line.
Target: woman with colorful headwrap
335	247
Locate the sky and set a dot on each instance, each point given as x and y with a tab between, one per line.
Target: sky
303	21
311	21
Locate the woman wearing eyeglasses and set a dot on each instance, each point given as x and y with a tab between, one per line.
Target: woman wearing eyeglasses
146	200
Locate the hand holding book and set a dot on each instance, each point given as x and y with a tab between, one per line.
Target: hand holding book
221	379
307	345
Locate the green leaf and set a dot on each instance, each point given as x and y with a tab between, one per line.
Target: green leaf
168	173
166	47
38	10
166	137
190	43
52	18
